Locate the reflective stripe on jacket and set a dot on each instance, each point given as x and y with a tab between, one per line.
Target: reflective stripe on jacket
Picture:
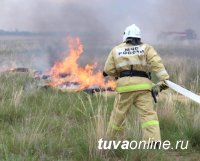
142	58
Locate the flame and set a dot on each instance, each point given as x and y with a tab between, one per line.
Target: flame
85	76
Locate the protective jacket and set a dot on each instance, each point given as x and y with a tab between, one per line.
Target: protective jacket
140	58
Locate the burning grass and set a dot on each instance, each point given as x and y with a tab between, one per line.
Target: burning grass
68	70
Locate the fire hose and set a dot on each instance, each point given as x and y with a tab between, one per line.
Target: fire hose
178	89
183	91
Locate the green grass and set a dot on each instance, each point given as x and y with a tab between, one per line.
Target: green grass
47	124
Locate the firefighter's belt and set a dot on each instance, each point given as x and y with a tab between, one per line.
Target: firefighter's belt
133	73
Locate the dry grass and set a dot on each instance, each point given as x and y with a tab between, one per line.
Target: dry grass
39	124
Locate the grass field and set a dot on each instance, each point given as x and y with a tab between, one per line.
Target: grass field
47	124
38	124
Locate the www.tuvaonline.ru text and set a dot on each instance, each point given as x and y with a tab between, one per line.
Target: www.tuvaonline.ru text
150	144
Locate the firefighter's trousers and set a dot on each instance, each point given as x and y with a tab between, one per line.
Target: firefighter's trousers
143	101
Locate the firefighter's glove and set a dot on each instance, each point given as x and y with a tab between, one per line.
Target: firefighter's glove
162	85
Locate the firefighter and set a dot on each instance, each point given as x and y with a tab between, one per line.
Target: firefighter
131	62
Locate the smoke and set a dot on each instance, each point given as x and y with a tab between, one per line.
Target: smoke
154	16
99	24
50	16
100	20
178	15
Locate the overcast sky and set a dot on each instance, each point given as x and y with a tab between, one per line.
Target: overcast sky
103	18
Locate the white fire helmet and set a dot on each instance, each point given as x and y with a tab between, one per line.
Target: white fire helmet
131	31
